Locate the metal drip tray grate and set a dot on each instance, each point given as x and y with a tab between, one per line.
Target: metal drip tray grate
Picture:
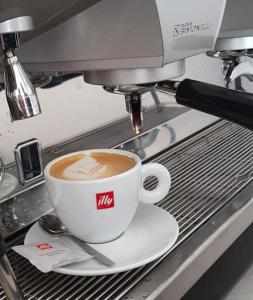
207	171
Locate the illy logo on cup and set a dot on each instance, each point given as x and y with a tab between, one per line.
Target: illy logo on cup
105	200
44	246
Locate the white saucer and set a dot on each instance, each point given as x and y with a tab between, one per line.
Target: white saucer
152	232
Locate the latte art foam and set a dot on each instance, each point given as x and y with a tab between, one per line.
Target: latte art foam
85	169
92	166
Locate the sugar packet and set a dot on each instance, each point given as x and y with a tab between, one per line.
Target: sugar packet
48	256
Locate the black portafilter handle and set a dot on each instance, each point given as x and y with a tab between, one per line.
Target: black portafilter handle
235	106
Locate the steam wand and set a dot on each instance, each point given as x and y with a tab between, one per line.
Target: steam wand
20	93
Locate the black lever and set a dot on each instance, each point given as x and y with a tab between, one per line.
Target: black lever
235	106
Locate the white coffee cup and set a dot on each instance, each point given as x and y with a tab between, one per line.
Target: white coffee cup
100	210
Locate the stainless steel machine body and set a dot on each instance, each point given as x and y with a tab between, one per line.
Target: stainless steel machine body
211	198
235	41
111	42
134	47
236	32
113	35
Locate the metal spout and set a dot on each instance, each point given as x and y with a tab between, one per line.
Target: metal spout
135	94
134	105
20	93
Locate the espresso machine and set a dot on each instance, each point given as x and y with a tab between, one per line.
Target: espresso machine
147	59
125	47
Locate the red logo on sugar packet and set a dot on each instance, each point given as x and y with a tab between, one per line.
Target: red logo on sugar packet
44	246
105	200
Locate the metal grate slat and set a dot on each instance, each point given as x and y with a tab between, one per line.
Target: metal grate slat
208	170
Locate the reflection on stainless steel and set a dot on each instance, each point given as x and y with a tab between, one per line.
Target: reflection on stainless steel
205	186
9	185
167	134
8	280
24	209
139	145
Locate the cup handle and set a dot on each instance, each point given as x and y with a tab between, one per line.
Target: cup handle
163	185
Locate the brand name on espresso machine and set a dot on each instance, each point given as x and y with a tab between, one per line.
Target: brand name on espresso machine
189	28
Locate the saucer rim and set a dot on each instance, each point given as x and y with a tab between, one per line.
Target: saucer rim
104	270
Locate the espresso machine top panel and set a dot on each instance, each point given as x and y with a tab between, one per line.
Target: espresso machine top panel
237	20
118	34
237	27
45	14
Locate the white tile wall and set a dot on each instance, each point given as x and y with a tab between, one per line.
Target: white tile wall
76	107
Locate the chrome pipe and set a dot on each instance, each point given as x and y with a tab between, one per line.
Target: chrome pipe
20	93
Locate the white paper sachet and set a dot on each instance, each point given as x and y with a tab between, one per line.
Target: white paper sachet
49	256
84	169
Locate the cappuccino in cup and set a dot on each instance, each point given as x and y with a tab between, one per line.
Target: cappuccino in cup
91	166
96	192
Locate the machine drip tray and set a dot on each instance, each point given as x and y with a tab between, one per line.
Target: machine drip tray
231	276
211	191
